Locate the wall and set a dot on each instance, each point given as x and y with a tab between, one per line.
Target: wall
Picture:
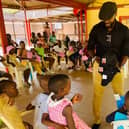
68	29
92	16
37	27
16	29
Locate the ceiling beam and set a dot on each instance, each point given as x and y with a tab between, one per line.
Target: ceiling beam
11	6
41	7
68	3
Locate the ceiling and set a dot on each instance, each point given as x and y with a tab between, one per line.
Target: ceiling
29	4
58	18
43	4
16	15
50	10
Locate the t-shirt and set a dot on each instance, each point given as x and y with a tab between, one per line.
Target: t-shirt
40	103
111	117
101	40
58	49
40	51
52	39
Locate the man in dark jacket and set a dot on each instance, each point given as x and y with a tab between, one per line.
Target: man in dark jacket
107	34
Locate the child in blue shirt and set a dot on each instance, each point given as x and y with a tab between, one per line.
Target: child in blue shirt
123	110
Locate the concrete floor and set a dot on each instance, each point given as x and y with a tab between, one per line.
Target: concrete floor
81	83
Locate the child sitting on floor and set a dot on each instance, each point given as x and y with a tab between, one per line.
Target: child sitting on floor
9	114
41	106
60	108
123	110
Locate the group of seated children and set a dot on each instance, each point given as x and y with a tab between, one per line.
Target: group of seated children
52	108
73	51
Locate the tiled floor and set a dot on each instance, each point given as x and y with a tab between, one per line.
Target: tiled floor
81	83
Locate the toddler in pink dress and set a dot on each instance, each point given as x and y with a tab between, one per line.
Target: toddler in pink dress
59	108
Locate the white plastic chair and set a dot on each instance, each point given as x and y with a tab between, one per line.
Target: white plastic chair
19	78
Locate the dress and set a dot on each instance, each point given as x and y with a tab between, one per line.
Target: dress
55	109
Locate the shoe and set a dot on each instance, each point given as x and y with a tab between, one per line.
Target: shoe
96	126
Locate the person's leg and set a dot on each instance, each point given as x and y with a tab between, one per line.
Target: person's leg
86	63
66	59
58	58
76	58
97	98
26	75
51	61
80	60
118	87
72	59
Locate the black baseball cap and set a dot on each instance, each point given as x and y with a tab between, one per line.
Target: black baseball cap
107	10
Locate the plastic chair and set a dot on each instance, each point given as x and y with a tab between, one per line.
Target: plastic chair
19	76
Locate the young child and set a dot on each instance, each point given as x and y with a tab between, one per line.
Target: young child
22	54
59	49
35	60
13	61
40	105
124	110
11	116
60	108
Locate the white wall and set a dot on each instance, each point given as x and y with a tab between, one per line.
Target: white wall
16	29
37	27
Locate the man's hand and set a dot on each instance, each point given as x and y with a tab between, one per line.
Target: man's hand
91	53
97	59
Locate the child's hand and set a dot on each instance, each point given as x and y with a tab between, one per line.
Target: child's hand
76	98
30	107
11	101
